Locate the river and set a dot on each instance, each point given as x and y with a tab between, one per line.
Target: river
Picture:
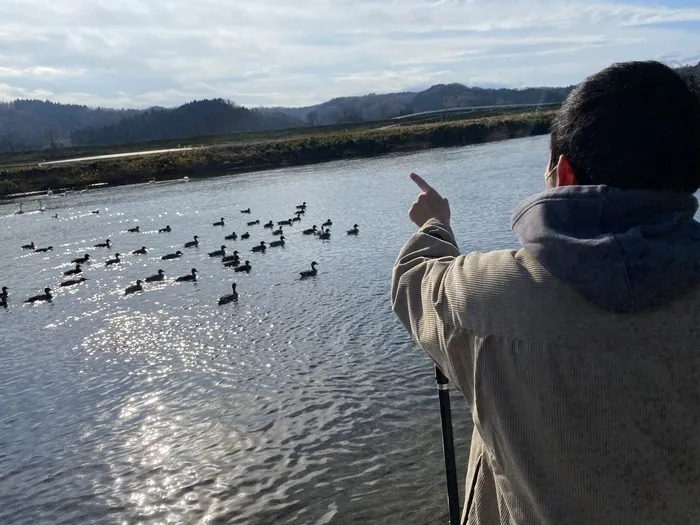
305	402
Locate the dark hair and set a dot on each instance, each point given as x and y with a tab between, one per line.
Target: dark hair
631	125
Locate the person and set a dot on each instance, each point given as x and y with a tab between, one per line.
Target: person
578	353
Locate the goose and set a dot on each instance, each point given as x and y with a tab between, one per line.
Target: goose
260	248
220	223
225	299
106	244
299	213
326	235
277	244
192	276
43	250
165	230
288	222
245	211
309	273
73	282
116	260
135	288
41	206
20	211
171	256
193	244
231	237
219	253
246	235
302	206
245	268
157	277
327	223
95	212
269	225
30	246
81	260
310	231
46	296
297	218
355	230
233	257
277	232
253	223
75	271
140	251
135	229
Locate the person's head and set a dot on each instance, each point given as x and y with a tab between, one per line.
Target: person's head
633	125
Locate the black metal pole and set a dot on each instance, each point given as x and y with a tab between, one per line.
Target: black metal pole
448	446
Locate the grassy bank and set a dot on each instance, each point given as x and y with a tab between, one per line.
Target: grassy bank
268	153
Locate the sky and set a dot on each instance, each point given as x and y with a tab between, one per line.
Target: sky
141	53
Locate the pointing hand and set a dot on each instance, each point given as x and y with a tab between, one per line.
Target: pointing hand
430	204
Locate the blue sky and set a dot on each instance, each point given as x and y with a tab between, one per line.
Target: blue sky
139	53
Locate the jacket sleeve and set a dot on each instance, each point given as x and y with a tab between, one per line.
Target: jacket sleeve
429	282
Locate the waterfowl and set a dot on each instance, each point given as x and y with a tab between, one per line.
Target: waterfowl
276	244
233	257
140	251
219	253
309	273
135	288
231	237
302	206
95	212
106	244
116	260
193	244
43	250
327	223
355	230
54	216
192	276
246	235
260	248
219	223
288	222
245	211
225	299
81	260
325	235
299	213
245	268
46	296
29	246
165	230
75	271
253	223
73	282
170	256
269	225
277	232
232	263
296	219
3	297
310	231
135	229
20	211
41	206
157	277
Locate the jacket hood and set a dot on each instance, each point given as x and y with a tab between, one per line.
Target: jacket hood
624	250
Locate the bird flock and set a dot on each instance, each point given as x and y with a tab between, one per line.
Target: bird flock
76	275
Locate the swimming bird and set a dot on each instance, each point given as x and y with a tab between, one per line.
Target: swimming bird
260	248
326	235
288	222
269	225
171	256
75	271
72	282
246	235
54	216
81	260
116	260
3	297
233	263
302	206
140	251
277	232
106	244
233	257
193	244
135	288
277	244
245	268
95	212
29	246
192	276
297	219
43	250
310	231
135	229
253	223
219	223
245	211
225	299
309	273
46	296
20	211
327	223
219	253
157	277
231	237
165	230
355	230
299	213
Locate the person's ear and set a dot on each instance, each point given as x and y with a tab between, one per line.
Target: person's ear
565	172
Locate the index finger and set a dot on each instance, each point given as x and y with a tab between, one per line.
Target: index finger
420	182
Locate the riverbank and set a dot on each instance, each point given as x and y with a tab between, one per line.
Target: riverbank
271	154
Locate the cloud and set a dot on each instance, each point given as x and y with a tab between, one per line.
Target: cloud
298	52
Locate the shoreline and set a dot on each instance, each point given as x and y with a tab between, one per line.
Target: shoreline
268	155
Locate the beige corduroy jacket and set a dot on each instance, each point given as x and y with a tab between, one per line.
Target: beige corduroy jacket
581	415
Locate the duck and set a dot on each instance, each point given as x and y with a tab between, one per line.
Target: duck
192	276
54	216
310	231
327	223
165	230
228	298
302	206
219	223
326	235
245	211
277	232
277	244
106	244
95	212
233	263
116	260
43	250
135	288
194	243
171	256
231	237
72	282
30	246
20	211
81	260
288	222
297	218
140	251
3	297
245	268
46	296
233	257
260	248
156	278
299	213
219	253
135	229
75	271
355	230
269	225
309	273
246	235
253	223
